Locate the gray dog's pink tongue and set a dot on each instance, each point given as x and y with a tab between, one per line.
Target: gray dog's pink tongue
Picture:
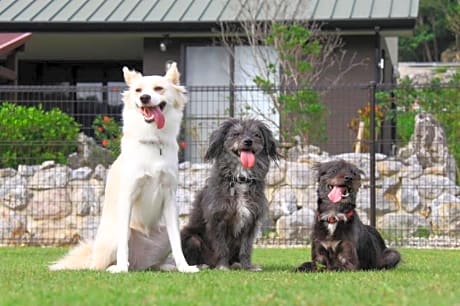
336	194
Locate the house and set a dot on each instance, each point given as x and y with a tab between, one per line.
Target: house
86	43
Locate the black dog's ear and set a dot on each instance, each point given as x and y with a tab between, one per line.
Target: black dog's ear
270	142
217	139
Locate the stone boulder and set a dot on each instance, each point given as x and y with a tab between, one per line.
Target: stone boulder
89	154
429	144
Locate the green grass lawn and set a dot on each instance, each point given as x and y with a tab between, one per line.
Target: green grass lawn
425	277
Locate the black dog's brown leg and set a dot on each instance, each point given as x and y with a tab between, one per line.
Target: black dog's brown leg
347	257
317	255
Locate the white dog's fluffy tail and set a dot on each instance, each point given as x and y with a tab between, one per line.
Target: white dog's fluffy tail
144	252
78	258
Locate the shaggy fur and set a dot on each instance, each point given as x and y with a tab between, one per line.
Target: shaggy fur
141	183
227	212
340	241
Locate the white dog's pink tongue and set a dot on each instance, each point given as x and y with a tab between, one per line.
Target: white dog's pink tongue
247	159
336	194
154	114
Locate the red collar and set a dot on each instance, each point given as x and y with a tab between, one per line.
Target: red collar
333	218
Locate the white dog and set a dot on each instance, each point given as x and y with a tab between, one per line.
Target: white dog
141	184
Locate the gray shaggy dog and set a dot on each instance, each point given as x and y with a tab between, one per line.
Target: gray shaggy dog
340	241
227	212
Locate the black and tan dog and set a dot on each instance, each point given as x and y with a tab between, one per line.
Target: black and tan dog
340	241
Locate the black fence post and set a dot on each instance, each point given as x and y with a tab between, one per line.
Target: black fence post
372	92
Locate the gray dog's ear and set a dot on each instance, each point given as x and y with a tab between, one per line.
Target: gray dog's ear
217	139
270	142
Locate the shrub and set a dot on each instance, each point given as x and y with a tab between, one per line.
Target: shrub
31	135
107	132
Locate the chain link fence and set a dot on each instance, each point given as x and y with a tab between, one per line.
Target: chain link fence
53	164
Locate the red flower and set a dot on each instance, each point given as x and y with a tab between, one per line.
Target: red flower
106	119
100	129
183	145
105	142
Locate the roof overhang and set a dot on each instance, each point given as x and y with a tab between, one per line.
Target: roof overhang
345	25
12	41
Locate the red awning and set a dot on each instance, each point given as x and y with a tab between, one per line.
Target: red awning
11	41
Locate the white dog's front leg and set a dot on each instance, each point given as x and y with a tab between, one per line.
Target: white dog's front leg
172	225
124	206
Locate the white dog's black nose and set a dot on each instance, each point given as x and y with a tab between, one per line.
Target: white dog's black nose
145	99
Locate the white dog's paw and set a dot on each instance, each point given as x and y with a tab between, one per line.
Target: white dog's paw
188	269
117	269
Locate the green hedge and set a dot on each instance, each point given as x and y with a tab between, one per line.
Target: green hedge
31	135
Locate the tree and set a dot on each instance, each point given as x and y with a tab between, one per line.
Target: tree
453	23
292	57
432	35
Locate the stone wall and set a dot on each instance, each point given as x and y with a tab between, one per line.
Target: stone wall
54	204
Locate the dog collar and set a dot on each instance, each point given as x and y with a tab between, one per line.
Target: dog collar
152	142
331	219
241	180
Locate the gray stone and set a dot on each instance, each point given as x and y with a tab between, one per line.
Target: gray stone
13	226
307	197
100	173
276	173
7	172
412	168
28	170
429	144
89	154
300	175
200	166
284	202
296	226
49	204
432	186
184	165
55	177
84	197
388	167
409	198
80	173
445	214
384	203
184	199
401	224
14	193
48	164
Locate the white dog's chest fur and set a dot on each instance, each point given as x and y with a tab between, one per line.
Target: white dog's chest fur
155	181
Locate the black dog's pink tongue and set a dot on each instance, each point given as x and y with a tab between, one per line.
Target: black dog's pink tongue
247	159
154	114
336	194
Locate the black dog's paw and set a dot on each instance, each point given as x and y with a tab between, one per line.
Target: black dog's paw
306	267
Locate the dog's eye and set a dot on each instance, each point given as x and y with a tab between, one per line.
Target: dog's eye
236	134
138	89
158	88
257	135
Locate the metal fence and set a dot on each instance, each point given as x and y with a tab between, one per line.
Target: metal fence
410	191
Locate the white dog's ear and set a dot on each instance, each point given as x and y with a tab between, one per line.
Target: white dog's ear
173	74
130	75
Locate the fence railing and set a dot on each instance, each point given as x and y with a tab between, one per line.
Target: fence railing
404	138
